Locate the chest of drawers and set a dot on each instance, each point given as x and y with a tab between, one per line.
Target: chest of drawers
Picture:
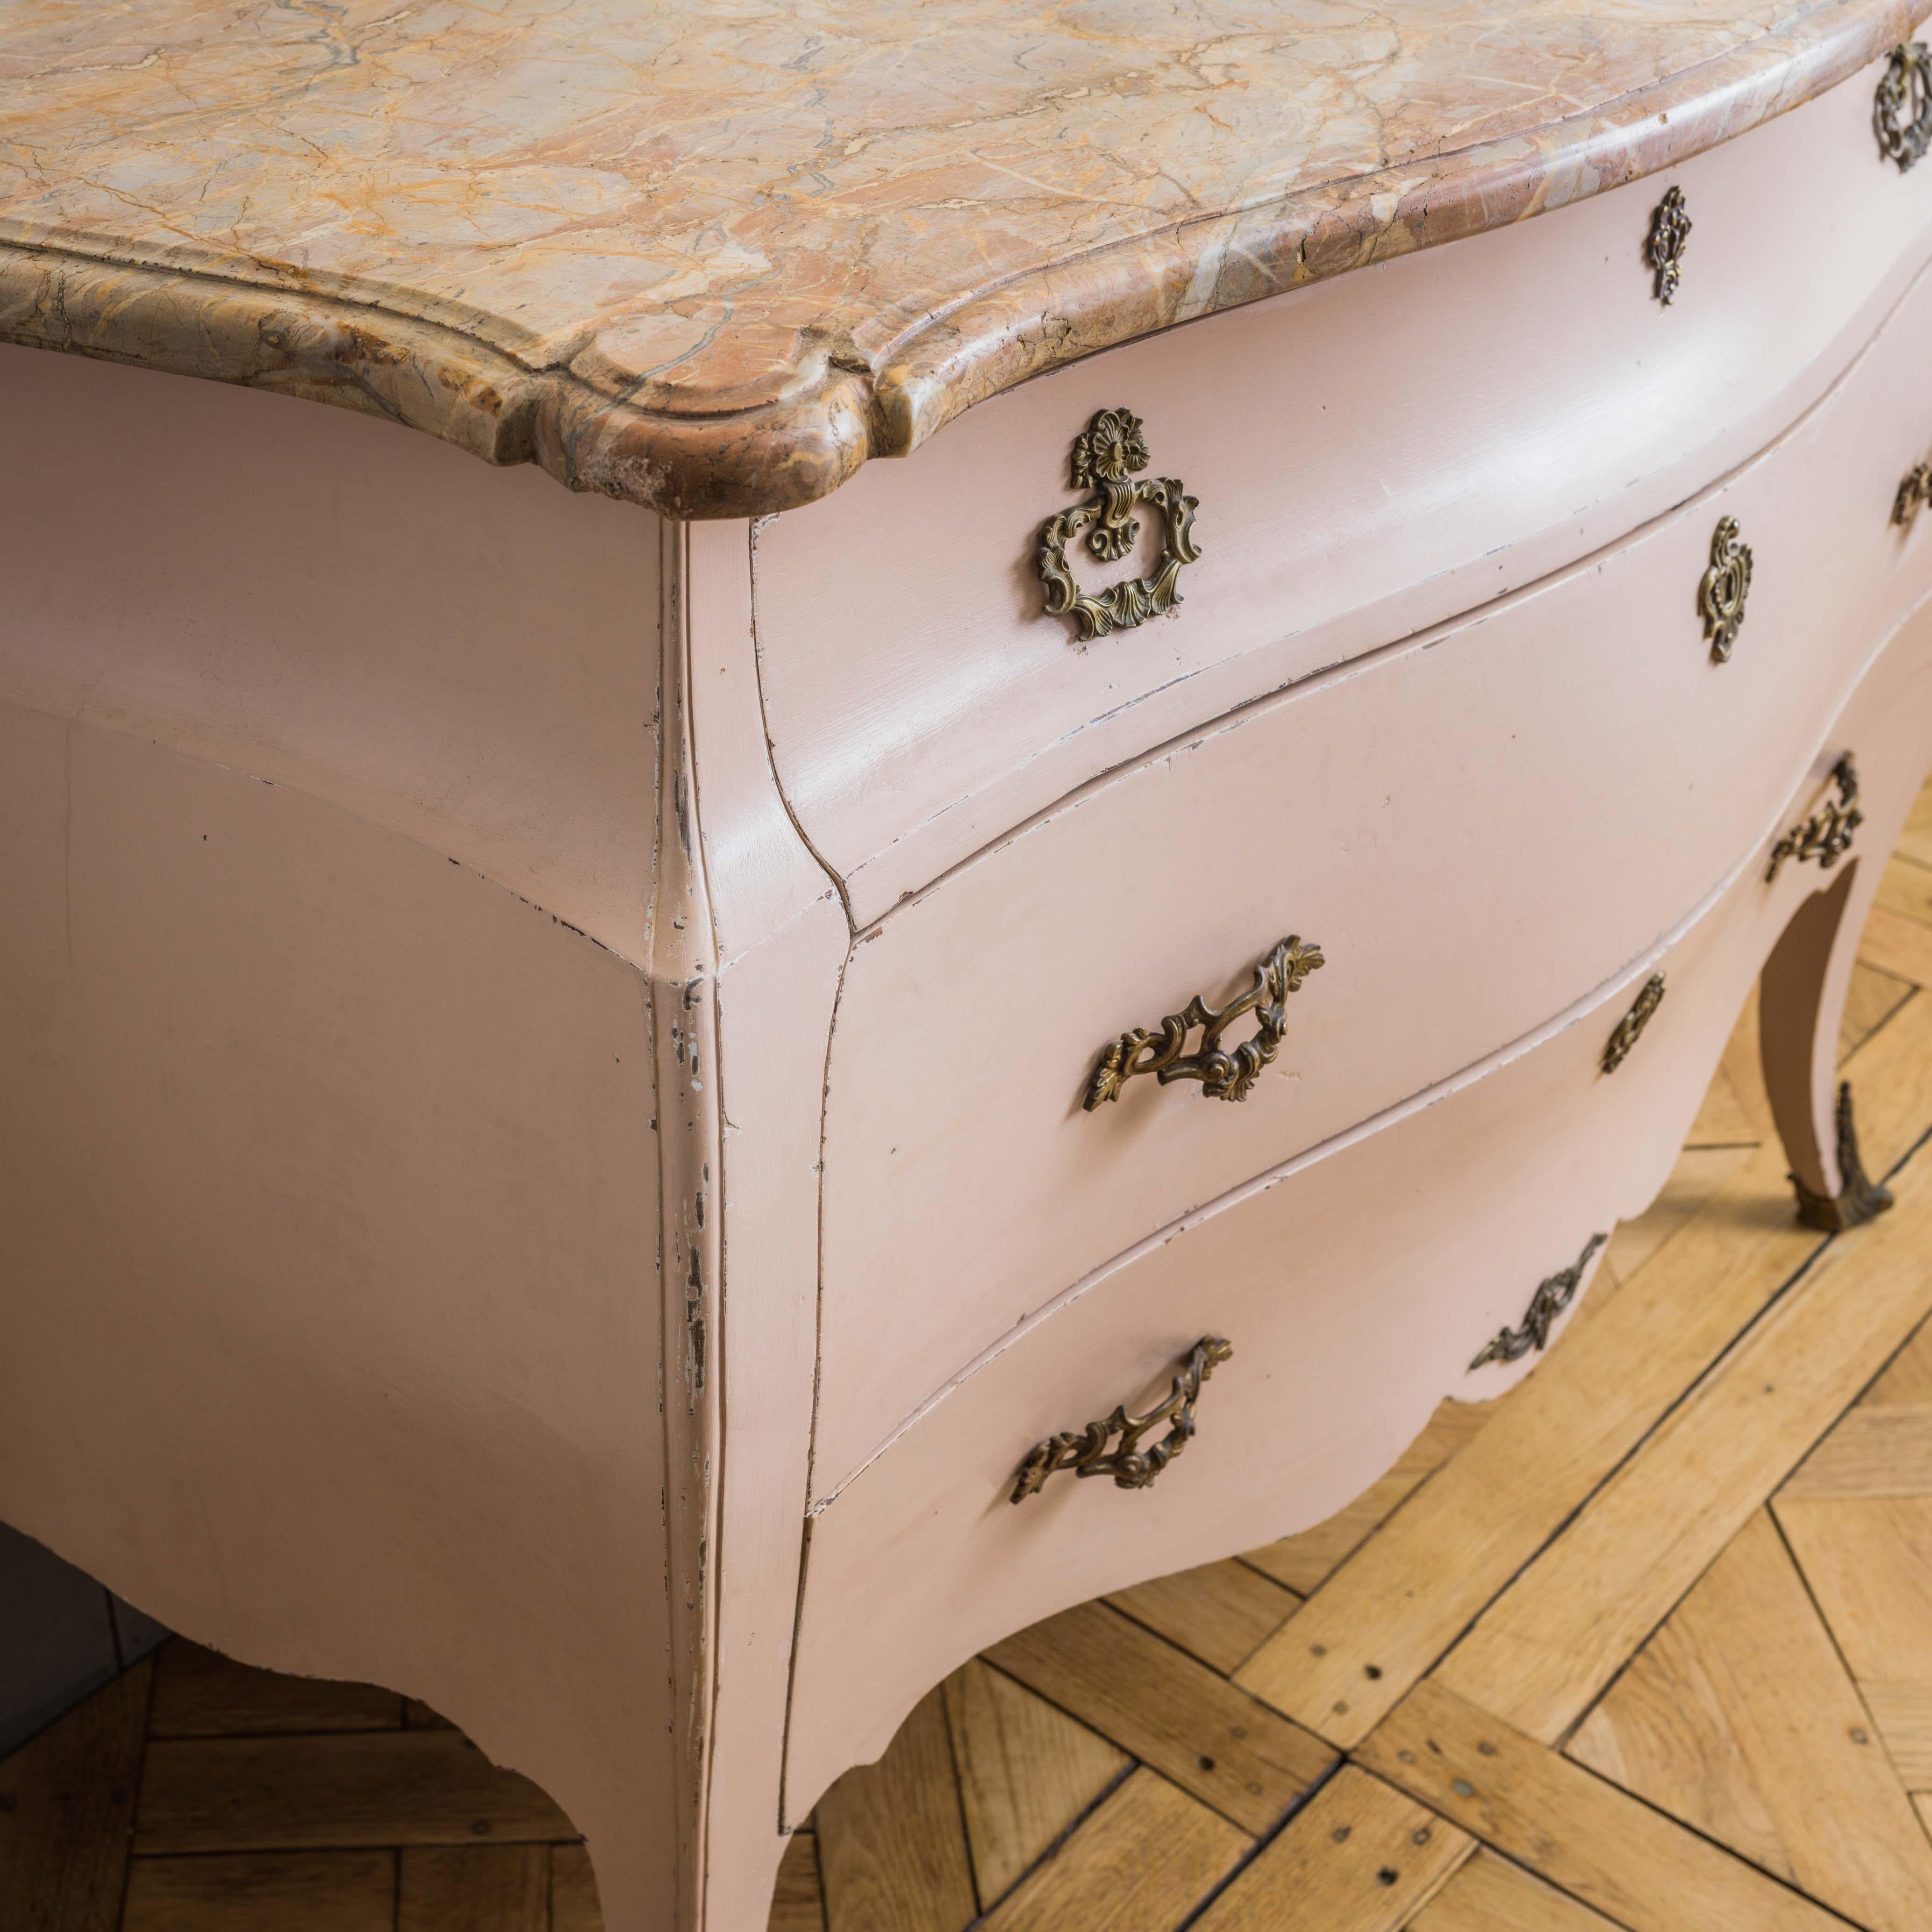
584	1134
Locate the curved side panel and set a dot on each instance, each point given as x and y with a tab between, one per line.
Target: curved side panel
328	1294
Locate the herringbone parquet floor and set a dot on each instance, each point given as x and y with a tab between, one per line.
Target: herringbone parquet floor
1647	1643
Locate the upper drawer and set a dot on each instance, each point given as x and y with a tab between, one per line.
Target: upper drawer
1372	454
1478	827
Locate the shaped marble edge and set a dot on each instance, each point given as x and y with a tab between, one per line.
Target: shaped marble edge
760	417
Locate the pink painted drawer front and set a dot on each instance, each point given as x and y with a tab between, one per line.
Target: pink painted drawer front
1477	827
1372	454
1355	1288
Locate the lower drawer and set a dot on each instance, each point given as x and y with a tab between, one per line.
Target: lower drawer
1358	1286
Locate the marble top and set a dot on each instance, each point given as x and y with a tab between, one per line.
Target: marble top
710	255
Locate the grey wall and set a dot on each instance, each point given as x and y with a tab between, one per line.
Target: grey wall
62	1635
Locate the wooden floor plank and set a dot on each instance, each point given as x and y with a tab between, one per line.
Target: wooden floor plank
1739	1718
67	1806
1906	890
573	1891
1868	1562
1401	1600
1541	1654
1027	1771
798	1900
1897	945
892	1842
1873	997
1902	1710
1222	1612
1490	1895
1303	1562
1616	1853
474	1888
1162	1707
200	1693
1882	1451
1724	1120
367	1788
1915	841
266	1891
1148	1855
1359	1857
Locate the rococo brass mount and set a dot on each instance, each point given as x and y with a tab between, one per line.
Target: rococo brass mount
1859	1197
1223	1076
1902	113
1826	835
1551	1298
1663	248
1084	1451
1106	455
1630	1028
1723	588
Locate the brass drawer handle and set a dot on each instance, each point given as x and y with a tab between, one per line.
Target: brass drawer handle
1902	113
1223	1076
1723	589
1552	1297
1084	1451
1826	835
1106	455
1630	1029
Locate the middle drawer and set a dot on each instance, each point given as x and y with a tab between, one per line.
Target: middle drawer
1478	827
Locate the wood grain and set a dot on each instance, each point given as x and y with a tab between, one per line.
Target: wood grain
1897	945
474	1888
1358	1857
1739	1718
1164	1708
891	1843
1401	1600
1882	1450
1868	1562
376	1787
1695	1179
1027	1772
1147	1856
1490	1895
200	1693
573	1891
267	1891
1903	1712
1906	890
798	1899
1611	1851
1539	1656
1220	1612
66	1803
1871	999
1303	1561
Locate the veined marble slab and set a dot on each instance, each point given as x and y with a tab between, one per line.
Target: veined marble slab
711	257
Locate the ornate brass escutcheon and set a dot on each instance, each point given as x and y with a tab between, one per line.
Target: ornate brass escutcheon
1223	1076
1902	112
1915	489
1723	589
1084	1451
1663	248
1630	1028
1826	835
1105	456
1552	1297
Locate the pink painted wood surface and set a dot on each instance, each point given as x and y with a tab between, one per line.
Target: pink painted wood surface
1371	455
468	657
1475	826
331	1247
1357	1286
